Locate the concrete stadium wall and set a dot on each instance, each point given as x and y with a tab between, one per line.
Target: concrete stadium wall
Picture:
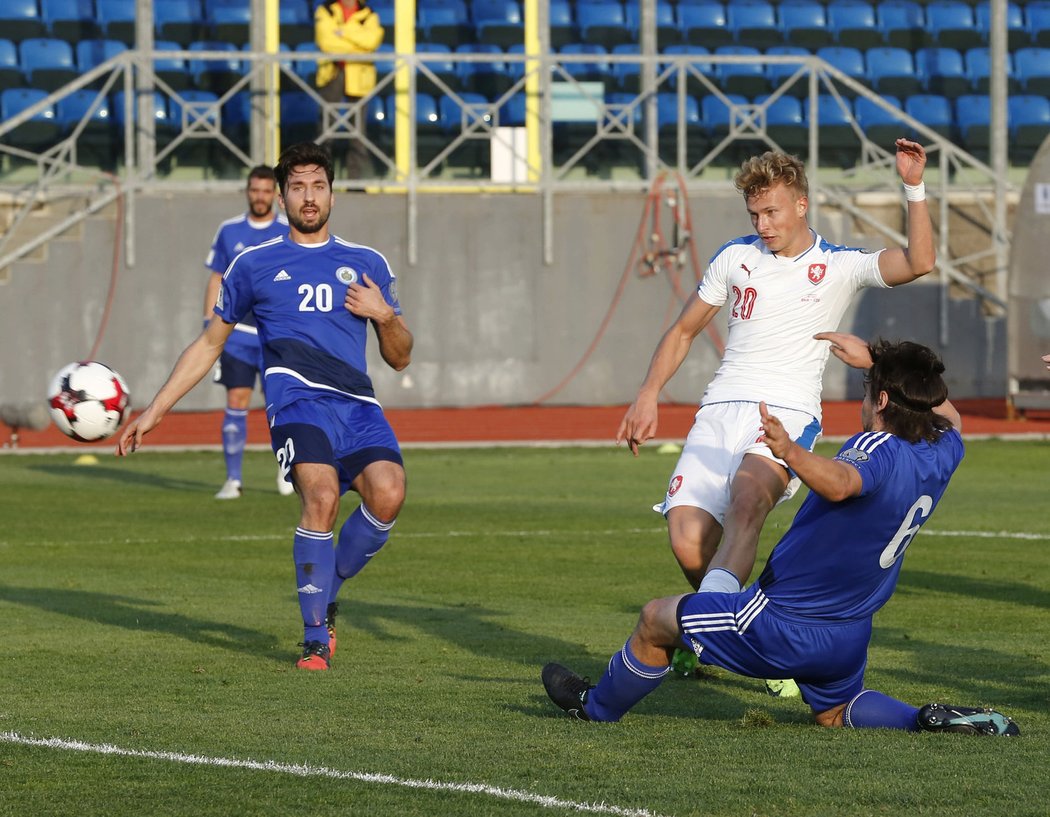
493	324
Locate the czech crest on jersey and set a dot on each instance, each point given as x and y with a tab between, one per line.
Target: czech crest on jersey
816	273
348	275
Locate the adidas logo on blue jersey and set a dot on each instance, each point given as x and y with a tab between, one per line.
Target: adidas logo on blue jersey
282	276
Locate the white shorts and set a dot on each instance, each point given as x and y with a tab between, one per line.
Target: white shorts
721	435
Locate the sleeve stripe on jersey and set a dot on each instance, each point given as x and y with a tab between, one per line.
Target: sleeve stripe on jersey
272	370
275	240
346	243
871	440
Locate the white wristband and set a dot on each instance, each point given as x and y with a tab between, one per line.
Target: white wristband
915	192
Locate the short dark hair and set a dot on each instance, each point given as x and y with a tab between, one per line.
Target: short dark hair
297	155
910	374
261	172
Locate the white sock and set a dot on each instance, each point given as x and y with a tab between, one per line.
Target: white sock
719	580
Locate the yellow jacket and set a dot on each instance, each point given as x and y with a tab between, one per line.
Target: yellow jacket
361	34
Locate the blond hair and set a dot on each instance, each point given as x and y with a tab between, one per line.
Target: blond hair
759	173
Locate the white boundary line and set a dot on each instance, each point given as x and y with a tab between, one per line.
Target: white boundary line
302	770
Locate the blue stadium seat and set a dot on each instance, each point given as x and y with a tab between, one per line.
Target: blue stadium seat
11	75
486	78
179	20
950	24
1016	33
616	111
667	32
594	70
602	22
1032	66
626	75
892	71
70	20
839	142
300	117
216	75
430	138
902	23
933	111
978	72
228	21
456	118
498	22
512	113
694	86
296	23
785	123
47	62
443	72
942	71
973	117
805	23
92	53
37	133
1028	116
562	26
174	71
445	24
117	18
753	23
307	69
21	20
88	107
853	24
716	114
878	125
1037	22
695	134
748	79
850	61
704	24
163	123
778	73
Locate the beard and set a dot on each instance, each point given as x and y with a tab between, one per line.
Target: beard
309	228
260	210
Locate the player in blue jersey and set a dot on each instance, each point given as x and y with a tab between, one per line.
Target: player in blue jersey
314	296
809	615
241	360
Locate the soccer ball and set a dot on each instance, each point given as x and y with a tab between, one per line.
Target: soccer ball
88	401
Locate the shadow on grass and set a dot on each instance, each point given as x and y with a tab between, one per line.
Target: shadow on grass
973	588
122	475
135	614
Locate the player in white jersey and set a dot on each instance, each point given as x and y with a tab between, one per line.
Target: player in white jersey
782	286
314	297
241	361
810	613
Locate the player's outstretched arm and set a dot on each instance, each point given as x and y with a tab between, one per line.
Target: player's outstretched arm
901	265
640	422
832	479
194	362
1046	360
850	349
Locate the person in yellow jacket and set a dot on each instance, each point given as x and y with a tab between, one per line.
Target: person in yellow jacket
347	27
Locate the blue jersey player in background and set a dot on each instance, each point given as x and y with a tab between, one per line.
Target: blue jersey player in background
241	360
809	615
314	297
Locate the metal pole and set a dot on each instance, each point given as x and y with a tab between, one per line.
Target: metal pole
999	139
649	49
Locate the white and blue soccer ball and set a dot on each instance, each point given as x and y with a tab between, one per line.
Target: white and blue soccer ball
88	401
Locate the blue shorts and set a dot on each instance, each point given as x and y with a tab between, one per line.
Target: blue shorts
345	433
240	362
745	633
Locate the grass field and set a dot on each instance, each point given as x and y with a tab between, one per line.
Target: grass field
149	634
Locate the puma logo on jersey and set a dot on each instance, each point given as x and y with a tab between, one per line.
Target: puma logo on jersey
745	269
282	276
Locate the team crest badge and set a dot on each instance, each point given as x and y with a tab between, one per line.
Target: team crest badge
348	275
816	273
676	483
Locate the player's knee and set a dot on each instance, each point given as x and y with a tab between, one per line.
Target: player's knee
384	494
321	502
656	624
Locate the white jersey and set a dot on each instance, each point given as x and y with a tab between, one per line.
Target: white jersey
777	305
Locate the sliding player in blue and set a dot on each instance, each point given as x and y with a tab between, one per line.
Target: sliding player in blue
313	296
809	615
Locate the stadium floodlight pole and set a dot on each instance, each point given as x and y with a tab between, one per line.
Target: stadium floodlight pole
999	140
648	48
144	87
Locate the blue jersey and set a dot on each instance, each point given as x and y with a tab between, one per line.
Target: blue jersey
841	560
312	344
236	235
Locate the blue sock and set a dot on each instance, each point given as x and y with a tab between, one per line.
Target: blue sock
625	683
873	710
314	569
361	537
234	435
